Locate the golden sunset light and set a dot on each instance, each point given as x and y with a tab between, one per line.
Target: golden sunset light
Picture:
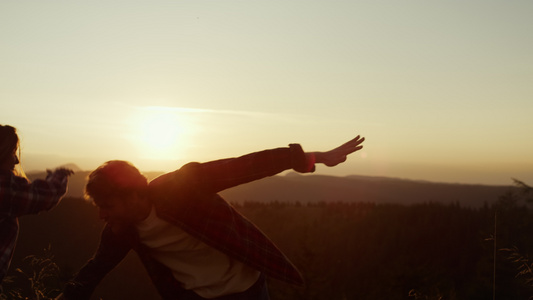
158	133
280	150
441	91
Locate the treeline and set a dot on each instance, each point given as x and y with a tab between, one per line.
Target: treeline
344	250
429	251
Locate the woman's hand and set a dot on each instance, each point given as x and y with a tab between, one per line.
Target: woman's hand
61	172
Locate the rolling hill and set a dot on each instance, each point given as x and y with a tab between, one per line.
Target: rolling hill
294	187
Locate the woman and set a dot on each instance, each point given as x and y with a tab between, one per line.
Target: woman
20	197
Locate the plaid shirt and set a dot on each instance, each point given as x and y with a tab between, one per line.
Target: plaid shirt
20	197
188	198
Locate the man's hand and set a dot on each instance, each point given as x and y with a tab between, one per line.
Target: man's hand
338	155
60	297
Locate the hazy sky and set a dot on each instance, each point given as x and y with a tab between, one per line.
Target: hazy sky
442	90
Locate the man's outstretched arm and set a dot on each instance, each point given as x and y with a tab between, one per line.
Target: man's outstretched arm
218	175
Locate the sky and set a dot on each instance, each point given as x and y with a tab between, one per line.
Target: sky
441	90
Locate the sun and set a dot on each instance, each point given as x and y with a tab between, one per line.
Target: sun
159	131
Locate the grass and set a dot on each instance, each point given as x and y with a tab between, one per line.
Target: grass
37	279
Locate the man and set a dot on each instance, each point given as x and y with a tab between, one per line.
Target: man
193	244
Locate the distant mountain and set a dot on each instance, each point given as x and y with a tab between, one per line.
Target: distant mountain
71	166
294	187
319	188
74	167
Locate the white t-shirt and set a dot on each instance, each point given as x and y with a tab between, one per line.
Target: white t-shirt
199	267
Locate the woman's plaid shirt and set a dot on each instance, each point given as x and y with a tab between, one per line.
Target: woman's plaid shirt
20	197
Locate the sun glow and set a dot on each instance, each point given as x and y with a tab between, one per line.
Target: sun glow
160	133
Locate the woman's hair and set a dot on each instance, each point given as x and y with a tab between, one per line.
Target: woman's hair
9	143
115	178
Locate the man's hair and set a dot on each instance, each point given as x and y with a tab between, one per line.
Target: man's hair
9	143
115	178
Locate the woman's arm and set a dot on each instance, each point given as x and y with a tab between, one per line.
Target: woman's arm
20	197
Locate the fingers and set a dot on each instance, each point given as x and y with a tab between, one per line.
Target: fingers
352	145
356	141
64	171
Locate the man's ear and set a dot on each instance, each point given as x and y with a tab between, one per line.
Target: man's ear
135	200
139	198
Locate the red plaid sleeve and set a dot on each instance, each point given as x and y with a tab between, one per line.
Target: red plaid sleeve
20	197
226	173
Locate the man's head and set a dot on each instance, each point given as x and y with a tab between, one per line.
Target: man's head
119	190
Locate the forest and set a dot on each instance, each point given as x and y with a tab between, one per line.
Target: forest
355	250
